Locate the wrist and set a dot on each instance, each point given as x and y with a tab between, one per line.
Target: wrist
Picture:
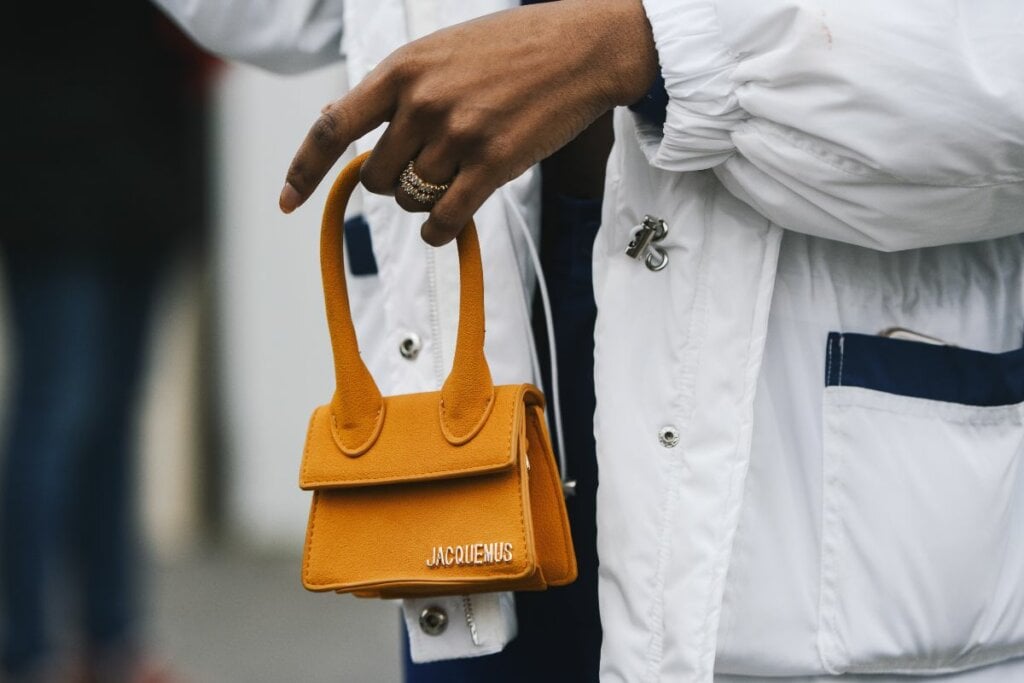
633	64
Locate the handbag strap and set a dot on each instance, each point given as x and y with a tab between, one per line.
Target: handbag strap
357	405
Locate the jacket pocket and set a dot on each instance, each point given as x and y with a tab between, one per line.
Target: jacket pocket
923	507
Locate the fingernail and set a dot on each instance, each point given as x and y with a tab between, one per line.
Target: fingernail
289	199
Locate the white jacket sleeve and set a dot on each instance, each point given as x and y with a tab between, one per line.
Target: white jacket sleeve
890	125
286	36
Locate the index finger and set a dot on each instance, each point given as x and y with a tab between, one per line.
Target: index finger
341	123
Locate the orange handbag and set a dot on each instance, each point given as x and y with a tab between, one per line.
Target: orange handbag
447	492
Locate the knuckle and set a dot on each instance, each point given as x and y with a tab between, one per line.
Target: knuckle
408	203
325	132
397	68
373	180
501	162
465	132
497	153
424	102
447	218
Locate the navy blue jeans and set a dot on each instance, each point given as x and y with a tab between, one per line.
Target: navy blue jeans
78	322
559	629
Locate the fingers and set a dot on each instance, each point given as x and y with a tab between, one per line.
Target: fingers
399	143
433	164
340	123
468	191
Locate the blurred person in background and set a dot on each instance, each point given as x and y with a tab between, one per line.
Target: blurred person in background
103	145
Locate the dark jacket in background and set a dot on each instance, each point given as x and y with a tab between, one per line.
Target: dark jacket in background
101	133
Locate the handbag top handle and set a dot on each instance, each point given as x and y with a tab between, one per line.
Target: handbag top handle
357	407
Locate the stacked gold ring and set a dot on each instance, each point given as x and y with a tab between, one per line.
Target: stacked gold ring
419	189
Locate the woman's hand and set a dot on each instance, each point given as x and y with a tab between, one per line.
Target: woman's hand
477	104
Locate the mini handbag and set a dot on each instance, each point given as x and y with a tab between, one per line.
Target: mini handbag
447	492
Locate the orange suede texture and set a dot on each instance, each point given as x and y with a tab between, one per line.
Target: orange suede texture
447	492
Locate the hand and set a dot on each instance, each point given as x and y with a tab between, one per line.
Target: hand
477	104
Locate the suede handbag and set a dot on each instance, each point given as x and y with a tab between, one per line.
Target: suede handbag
448	492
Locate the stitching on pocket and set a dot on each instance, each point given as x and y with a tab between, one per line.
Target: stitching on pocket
834	653
831	535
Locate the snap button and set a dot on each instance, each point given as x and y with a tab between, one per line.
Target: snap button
433	620
668	436
410	346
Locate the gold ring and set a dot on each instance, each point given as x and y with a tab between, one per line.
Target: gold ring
419	189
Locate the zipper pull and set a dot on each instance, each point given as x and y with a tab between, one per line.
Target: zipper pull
642	246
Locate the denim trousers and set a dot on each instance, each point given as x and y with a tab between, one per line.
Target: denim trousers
559	629
78	321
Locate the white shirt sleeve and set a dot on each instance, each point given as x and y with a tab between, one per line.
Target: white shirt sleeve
285	36
473	625
887	125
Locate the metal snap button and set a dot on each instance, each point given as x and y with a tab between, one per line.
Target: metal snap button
433	620
668	436
410	346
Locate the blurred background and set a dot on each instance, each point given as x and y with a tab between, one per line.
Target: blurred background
233	357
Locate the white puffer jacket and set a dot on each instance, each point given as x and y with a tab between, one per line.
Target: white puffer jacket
777	501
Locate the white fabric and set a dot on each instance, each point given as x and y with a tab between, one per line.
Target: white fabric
477	625
286	37
793	532
969	295
844	120
795	107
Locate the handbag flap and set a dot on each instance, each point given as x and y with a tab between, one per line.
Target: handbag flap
412	446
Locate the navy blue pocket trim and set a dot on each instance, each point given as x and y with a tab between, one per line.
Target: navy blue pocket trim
359	247
921	370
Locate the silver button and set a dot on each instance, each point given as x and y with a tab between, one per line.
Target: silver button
668	436
433	620
410	346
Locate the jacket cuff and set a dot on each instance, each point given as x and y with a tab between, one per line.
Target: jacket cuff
474	625
697	66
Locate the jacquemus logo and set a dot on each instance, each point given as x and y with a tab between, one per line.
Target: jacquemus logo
470	554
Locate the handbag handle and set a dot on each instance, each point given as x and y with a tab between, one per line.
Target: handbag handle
357	406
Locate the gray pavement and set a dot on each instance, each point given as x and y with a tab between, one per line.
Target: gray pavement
237	618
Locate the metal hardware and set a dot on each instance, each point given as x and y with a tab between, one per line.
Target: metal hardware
410	346
651	230
668	437
910	335
433	620
467	605
569	488
657	259
643	246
